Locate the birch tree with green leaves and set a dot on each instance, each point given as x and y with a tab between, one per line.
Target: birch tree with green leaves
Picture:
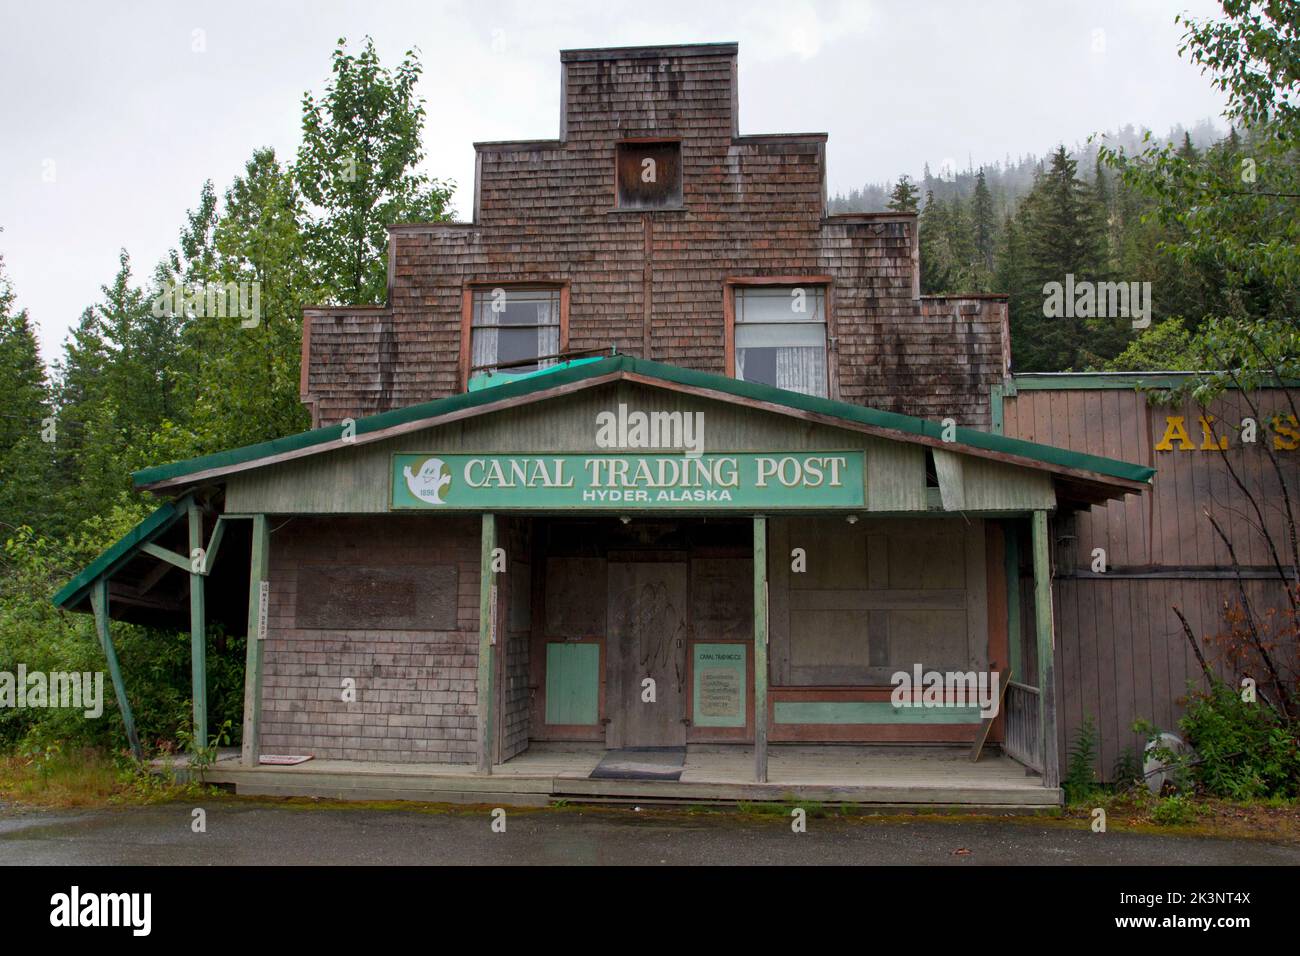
358	168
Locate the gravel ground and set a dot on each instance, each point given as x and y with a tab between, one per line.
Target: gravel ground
267	834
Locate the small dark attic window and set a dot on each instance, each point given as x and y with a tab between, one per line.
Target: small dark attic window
649	174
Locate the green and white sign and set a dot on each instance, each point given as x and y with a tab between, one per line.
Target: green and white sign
743	480
720	679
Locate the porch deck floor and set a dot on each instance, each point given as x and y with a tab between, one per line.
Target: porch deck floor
828	774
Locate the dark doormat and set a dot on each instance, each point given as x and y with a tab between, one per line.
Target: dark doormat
641	763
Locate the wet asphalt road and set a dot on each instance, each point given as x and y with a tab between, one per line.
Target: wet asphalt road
255	833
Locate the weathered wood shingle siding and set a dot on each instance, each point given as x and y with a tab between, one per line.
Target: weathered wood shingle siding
515	618
415	688
753	206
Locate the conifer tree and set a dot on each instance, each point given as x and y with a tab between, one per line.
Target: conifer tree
983	224
1062	238
904	197
937	273
26	431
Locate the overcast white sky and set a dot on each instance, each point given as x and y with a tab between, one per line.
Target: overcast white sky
131	110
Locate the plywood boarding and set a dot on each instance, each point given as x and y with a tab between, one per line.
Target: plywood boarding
874	598
575	598
722	598
381	598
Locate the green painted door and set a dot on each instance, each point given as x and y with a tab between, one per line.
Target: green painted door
572	684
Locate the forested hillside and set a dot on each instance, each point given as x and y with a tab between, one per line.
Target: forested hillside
1012	227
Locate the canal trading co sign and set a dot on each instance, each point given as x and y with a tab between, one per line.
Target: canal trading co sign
741	480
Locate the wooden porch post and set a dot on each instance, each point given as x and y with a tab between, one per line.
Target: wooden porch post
198	632
99	602
760	649
1046	670
1011	555
486	641
258	601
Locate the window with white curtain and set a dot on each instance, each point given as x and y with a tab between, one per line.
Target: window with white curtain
781	337
514	329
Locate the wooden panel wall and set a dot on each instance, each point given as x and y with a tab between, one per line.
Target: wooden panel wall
1164	527
1120	651
357	479
877	597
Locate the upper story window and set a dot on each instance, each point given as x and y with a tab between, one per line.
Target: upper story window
513	329
649	174
780	336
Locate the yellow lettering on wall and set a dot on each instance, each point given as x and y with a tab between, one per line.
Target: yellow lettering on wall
1175	430
1286	437
1208	432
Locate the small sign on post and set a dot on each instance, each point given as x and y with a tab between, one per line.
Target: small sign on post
263	608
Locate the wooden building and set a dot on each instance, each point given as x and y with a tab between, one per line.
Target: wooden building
650	480
1123	654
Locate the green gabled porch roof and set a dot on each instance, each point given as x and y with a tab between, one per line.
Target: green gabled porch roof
1088	478
77	591
1091	468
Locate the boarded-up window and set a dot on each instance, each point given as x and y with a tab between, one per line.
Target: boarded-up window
722	598
876	598
370	598
575	598
649	175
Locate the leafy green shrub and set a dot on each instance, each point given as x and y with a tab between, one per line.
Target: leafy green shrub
1128	769
1080	781
1174	810
1243	750
155	664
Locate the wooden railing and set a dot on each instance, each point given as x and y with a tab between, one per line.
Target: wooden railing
1021	711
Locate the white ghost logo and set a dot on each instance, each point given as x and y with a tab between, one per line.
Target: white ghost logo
428	483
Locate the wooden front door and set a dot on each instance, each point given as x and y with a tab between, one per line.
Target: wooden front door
646	638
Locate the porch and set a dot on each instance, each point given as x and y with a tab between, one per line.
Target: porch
881	776
519	627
